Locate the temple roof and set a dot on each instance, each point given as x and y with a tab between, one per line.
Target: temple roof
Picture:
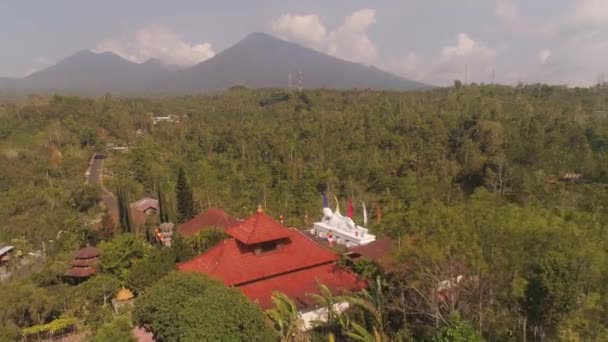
80	272
236	264
212	217
87	253
84	262
258	228
297	285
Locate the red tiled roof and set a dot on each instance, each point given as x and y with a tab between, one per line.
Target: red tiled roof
258	228
212	217
80	272
297	284
87	252
235	263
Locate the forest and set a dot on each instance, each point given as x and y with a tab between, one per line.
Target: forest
506	187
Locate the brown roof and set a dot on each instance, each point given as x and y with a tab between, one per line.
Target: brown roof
84	262
80	272
378	251
87	253
212	217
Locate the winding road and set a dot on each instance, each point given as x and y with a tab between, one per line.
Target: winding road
95	177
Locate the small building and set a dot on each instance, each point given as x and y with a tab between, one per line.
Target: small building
341	229
571	177
123	300
212	218
5	258
83	265
263	256
146	205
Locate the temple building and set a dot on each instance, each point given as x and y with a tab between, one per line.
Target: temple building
83	265
263	256
341	229
212	218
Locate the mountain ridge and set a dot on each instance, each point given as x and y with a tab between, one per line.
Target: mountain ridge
259	60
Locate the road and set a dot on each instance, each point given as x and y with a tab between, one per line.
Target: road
95	177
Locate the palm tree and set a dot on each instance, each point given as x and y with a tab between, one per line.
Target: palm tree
327	300
287	320
373	303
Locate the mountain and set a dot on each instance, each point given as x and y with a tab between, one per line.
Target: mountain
90	72
261	60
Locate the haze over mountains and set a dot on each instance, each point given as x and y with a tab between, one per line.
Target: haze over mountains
257	61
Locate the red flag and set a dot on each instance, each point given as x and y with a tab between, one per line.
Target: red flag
351	210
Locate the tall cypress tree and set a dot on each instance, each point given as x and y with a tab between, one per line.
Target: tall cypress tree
185	201
163	213
124	211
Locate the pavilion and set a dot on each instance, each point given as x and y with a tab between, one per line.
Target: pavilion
83	265
263	256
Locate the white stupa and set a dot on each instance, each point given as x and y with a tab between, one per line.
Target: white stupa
341	229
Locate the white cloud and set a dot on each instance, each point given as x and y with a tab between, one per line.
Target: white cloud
467	53
544	55
406	66
350	41
304	29
157	42
506	9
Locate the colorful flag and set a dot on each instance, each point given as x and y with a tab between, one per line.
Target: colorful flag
325	201
351	210
364	215
337	204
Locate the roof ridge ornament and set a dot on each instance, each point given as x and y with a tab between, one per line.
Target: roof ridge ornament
260	209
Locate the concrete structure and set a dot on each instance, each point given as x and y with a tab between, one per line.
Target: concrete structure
341	229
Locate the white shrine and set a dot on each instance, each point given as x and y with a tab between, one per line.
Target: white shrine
341	229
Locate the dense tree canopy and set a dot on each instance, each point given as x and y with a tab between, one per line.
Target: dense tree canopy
501	189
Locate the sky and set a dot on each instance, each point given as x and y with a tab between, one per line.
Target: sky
433	41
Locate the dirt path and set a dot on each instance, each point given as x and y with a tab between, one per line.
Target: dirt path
95	177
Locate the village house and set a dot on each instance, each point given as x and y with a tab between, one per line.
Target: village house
146	205
262	256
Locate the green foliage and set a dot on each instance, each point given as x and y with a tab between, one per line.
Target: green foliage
190	307
220	313
85	198
124	211
52	328
457	330
118	330
161	305
185	202
551	292
469	180
150	269
119	254
286	318
205	239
